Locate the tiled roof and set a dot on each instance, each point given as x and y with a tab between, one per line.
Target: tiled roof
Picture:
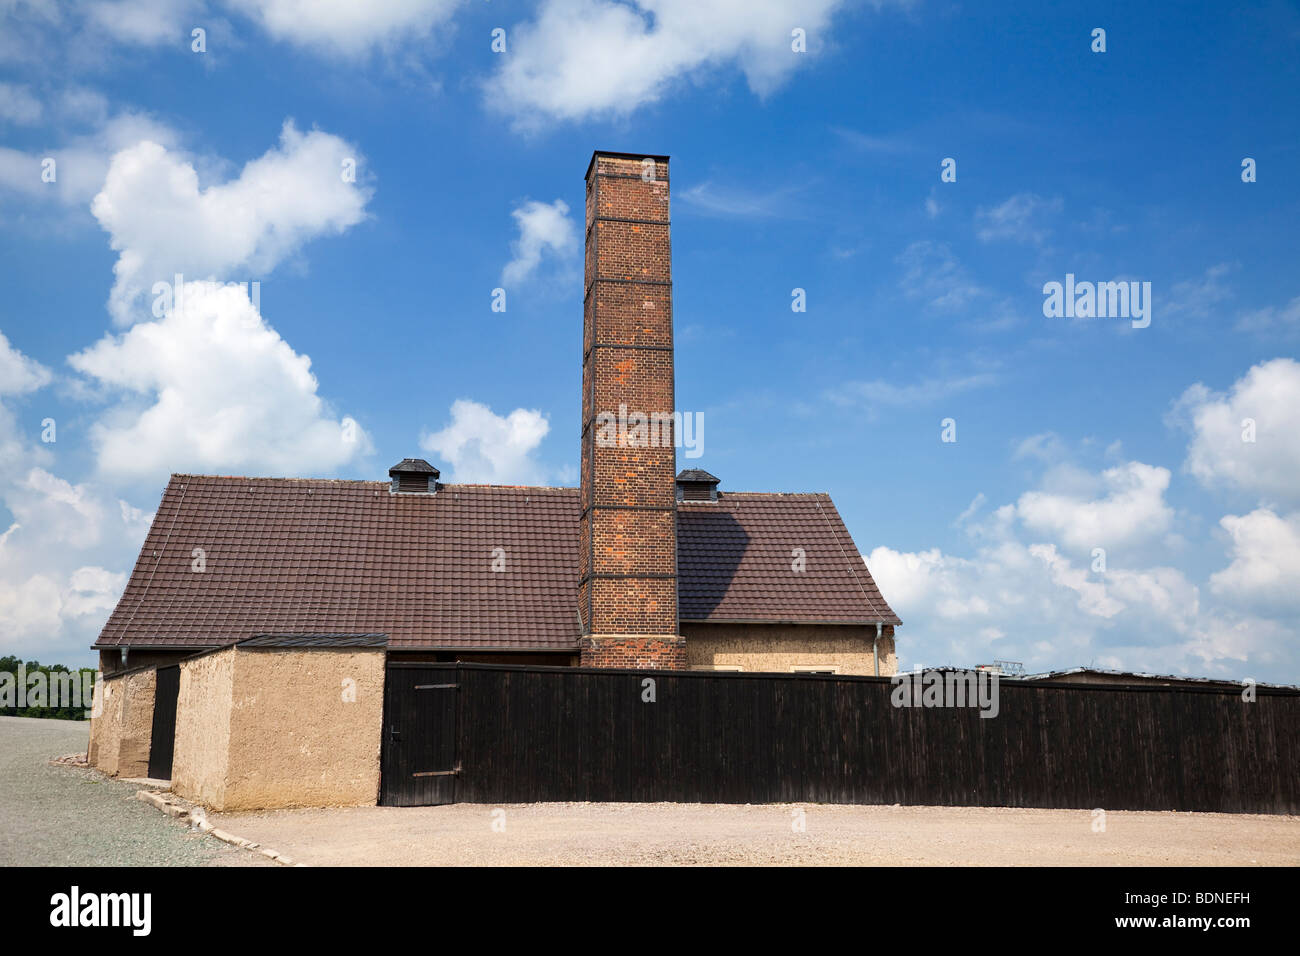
297	556
316	640
697	474
311	557
736	561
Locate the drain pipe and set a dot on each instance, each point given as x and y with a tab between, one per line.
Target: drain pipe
875	649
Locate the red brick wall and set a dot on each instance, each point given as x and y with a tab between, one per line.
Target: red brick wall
633	652
628	535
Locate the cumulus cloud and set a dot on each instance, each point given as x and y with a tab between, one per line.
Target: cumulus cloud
60	540
210	387
161	222
144	22
328	27
481	447
1132	509
1265	568
81	161
582	58
345	27
1266	400
56	586
18	105
18	373
545	230
1029	602
1032	591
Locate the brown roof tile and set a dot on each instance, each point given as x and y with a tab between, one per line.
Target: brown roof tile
311	557
736	560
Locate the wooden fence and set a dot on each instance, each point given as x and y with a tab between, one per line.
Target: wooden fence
529	734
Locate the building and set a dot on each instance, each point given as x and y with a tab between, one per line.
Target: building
257	601
1101	675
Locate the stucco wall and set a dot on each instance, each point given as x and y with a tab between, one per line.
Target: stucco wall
201	755
120	735
778	648
305	728
106	727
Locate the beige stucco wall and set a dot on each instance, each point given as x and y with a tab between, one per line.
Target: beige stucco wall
106	726
778	648
120	734
305	728
202	750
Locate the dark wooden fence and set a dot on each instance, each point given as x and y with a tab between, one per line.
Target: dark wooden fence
558	734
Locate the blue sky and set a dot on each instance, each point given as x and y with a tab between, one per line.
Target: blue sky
816	170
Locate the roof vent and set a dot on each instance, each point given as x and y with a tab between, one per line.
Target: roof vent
414	476
694	484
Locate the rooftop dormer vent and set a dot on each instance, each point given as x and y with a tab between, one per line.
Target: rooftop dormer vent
413	476
695	484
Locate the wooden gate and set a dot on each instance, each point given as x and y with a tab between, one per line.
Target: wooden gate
419	766
163	739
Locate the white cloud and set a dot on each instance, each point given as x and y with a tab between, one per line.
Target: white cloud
545	229
58	546
1269	395
1032	604
211	388
1020	218
1199	298
144	22
18	105
81	162
932	273
1132	509
18	373
481	447
1272	319
582	58
347	27
1265	568
730	202
881	392
162	223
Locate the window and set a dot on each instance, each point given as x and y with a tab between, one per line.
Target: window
717	667
815	669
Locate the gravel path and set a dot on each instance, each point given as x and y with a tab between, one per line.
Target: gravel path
62	816
569	834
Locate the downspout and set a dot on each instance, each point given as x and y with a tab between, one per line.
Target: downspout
875	649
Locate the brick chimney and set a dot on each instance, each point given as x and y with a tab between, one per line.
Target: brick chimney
627	591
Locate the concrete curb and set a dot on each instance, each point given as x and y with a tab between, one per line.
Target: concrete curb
186	812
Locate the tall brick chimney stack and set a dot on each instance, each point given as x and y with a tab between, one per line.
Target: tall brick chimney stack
627	591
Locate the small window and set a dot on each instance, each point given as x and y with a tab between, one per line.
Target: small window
815	669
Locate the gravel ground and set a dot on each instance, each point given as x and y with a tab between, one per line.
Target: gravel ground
63	816
712	834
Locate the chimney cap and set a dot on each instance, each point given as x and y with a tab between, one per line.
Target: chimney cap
413	466
657	157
